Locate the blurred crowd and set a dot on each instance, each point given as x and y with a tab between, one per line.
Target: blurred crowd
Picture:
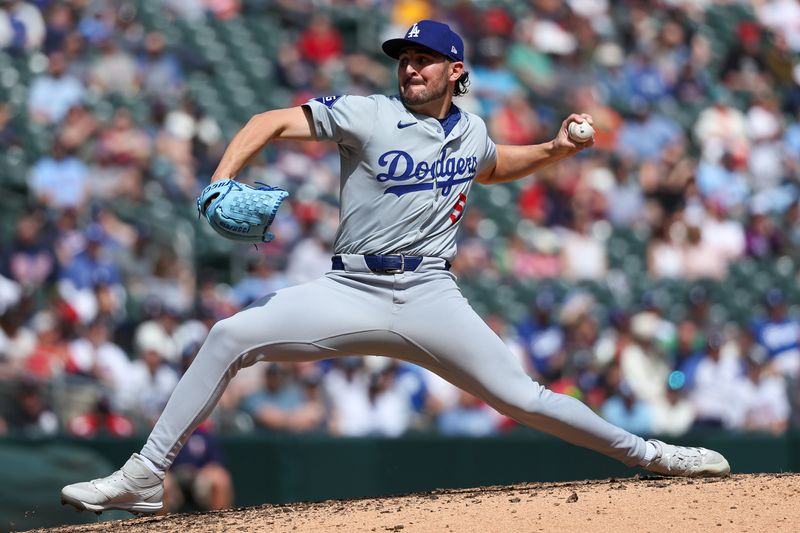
108	286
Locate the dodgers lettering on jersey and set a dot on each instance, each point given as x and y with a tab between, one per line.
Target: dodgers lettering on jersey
400	166
404	183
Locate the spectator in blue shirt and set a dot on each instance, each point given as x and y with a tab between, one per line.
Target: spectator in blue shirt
494	82
93	266
470	417
625	411
283	403
52	94
542	338
262	278
779	334
60	180
722	181
645	79
646	134
160	70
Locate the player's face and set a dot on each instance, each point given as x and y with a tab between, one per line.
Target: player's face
422	76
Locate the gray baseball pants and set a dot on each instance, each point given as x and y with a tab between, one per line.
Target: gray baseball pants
420	317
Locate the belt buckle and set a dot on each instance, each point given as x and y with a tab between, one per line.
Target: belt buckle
398	270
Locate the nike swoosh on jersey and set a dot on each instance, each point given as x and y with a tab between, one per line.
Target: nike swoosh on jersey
400	124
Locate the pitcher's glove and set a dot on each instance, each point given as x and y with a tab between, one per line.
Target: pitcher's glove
241	212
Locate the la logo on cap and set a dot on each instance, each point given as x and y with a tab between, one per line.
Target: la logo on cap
414	31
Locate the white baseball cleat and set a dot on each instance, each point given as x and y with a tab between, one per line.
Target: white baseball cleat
135	488
687	462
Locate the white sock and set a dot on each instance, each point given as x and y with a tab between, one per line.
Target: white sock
151	465
649	453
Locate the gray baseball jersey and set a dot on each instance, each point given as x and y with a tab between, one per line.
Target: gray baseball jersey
405	180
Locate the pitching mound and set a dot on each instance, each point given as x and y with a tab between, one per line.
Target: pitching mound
762	502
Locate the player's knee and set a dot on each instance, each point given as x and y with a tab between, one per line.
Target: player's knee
531	402
223	341
219	331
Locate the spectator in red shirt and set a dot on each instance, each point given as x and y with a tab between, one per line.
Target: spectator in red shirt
51	353
100	421
320	42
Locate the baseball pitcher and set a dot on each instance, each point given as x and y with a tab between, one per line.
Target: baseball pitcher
408	163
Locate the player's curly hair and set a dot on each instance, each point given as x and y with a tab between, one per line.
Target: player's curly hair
462	84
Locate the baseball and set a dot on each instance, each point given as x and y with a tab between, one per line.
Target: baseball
580	132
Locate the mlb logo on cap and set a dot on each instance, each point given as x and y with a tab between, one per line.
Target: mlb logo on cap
430	34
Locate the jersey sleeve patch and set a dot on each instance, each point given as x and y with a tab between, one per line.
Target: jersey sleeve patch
328	100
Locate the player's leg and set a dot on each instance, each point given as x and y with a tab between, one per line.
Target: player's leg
463	350
334	315
330	316
467	353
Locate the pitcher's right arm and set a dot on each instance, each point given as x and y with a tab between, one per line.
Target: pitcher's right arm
294	123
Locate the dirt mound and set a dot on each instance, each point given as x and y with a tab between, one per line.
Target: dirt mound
745	502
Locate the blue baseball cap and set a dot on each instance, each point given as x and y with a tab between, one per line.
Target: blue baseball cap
775	297
430	34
